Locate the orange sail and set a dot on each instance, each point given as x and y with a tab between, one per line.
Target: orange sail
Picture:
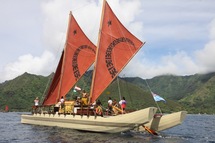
115	49
78	55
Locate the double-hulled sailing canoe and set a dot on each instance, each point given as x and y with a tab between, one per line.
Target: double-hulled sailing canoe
106	124
116	47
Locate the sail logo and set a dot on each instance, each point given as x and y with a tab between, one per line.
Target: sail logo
75	68
108	55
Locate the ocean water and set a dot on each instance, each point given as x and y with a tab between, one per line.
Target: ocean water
195	129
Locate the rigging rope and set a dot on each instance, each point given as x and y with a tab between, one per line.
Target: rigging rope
51	77
152	95
128	91
120	96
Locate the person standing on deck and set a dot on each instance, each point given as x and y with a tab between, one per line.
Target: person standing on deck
110	102
84	97
98	109
36	104
123	104
115	107
62	100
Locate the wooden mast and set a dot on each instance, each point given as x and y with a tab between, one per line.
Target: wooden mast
97	50
63	63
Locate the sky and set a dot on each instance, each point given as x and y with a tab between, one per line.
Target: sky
179	34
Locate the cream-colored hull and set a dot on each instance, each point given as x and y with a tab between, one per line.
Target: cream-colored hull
109	124
159	123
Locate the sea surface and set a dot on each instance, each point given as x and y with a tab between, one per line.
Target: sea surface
195	129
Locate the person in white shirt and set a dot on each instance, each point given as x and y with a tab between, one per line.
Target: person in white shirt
123	104
36	102
110	102
62	100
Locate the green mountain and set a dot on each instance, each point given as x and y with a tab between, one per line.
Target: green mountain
195	93
203	99
19	93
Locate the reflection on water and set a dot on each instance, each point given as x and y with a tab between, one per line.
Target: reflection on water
196	128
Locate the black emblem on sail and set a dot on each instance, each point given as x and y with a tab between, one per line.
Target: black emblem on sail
108	55
75	68
109	23
75	32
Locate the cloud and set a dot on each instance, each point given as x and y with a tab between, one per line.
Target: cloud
205	56
177	64
176	20
31	64
180	63
162	24
54	15
212	31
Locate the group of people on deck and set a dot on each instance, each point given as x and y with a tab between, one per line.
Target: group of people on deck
84	99
114	107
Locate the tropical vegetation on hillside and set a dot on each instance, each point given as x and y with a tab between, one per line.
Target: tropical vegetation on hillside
194	93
